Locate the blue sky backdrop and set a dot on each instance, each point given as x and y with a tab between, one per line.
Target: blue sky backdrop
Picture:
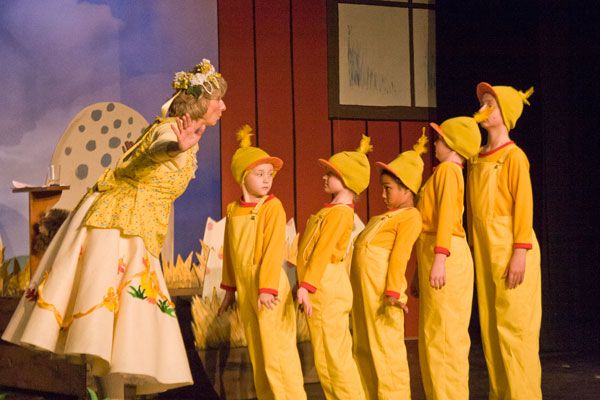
60	56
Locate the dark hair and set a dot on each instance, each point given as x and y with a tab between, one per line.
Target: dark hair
197	107
396	179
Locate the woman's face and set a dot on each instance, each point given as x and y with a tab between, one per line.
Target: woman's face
213	112
495	118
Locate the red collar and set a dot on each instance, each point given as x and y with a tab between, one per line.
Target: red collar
247	204
487	153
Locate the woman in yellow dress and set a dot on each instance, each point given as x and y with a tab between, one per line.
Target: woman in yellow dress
99	291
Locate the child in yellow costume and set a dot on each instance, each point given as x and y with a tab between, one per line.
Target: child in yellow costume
253	252
99	289
325	291
381	253
445	265
506	251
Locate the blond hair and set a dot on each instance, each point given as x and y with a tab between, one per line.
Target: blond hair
197	107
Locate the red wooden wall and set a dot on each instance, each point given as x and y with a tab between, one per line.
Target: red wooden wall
274	57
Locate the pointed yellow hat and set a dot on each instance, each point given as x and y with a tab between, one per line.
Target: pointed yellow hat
247	157
509	99
462	134
352	167
408	166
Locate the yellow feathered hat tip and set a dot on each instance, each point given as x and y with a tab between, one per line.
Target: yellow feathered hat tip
483	114
365	145
244	136
525	95
421	146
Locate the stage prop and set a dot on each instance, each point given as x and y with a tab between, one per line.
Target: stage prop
41	199
91	143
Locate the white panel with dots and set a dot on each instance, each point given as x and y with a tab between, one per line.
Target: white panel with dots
91	143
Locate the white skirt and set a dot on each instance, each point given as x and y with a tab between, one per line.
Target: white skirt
102	295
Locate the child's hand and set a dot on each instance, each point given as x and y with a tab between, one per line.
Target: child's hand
437	276
515	272
304	301
268	300
414	284
227	302
394	302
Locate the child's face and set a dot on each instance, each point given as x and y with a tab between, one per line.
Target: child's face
332	183
495	118
213	112
442	151
394	195
259	180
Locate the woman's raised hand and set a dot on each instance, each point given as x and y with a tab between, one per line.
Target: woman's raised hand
188	132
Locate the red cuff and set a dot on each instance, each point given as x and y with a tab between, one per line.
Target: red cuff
393	294
267	290
308	287
527	246
228	288
441	250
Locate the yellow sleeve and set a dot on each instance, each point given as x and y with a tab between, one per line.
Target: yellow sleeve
334	234
228	275
447	181
519	186
273	248
407	232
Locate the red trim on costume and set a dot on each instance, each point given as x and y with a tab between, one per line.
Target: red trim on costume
328	205
487	153
393	294
459	164
308	287
441	250
247	204
228	288
527	246
269	291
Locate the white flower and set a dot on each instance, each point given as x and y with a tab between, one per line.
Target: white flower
197	79
180	76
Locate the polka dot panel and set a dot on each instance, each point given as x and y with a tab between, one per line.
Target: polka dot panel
93	142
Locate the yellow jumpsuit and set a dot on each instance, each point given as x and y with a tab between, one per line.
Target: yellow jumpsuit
379	260
322	271
444	313
252	264
500	219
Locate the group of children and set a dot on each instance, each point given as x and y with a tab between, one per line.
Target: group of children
99	293
368	359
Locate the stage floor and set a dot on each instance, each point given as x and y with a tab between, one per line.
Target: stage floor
564	376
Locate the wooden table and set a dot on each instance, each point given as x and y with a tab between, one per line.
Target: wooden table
41	199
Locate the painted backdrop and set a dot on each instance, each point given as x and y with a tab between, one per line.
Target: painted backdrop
60	56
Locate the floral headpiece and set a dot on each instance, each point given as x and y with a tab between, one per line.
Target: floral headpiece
201	79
